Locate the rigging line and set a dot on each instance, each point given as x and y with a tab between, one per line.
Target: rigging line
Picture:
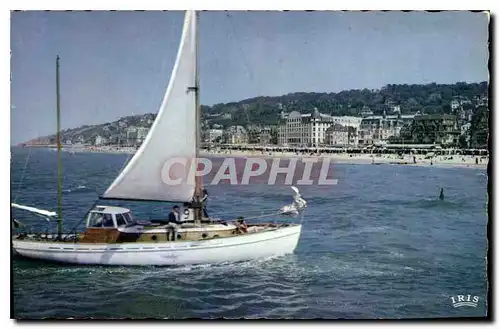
41	216
262	216
98	199
81	220
243	211
30	225
129	155
22	175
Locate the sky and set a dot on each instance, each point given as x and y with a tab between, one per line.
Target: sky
115	64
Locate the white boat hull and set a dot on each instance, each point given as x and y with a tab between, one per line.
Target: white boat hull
231	249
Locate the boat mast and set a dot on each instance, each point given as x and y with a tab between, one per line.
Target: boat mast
59	164
198	179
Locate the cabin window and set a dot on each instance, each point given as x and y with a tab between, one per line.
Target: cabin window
120	220
128	217
108	221
95	220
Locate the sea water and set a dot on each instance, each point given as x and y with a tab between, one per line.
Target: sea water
379	244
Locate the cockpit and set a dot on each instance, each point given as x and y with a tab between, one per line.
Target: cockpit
109	217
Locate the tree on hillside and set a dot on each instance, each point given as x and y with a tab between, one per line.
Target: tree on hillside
429	98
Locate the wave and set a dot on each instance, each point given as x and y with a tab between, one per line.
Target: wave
423	203
79	188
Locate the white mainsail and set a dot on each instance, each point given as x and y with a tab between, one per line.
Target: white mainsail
172	135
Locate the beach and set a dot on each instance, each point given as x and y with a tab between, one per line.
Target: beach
461	161
391	159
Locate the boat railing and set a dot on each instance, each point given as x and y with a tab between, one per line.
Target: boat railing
48	236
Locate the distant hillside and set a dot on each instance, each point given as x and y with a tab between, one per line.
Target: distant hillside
88	133
429	98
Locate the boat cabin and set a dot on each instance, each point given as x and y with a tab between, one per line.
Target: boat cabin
110	224
109	217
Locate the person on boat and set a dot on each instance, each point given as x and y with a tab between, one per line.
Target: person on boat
203	201
241	225
205	213
188	211
174	215
204	195
107	220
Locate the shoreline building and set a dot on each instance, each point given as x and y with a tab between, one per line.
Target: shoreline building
267	135
379	128
142	132
235	135
435	129
302	130
214	135
136	135
338	135
100	140
131	134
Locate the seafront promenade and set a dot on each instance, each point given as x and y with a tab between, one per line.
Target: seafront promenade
411	160
431	158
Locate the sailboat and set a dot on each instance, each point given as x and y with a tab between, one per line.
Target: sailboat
114	237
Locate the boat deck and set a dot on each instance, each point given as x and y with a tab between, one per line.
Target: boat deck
152	234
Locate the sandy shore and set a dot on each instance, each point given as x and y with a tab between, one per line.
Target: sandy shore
440	161
420	160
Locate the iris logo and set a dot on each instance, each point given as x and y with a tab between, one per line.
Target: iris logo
464	300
